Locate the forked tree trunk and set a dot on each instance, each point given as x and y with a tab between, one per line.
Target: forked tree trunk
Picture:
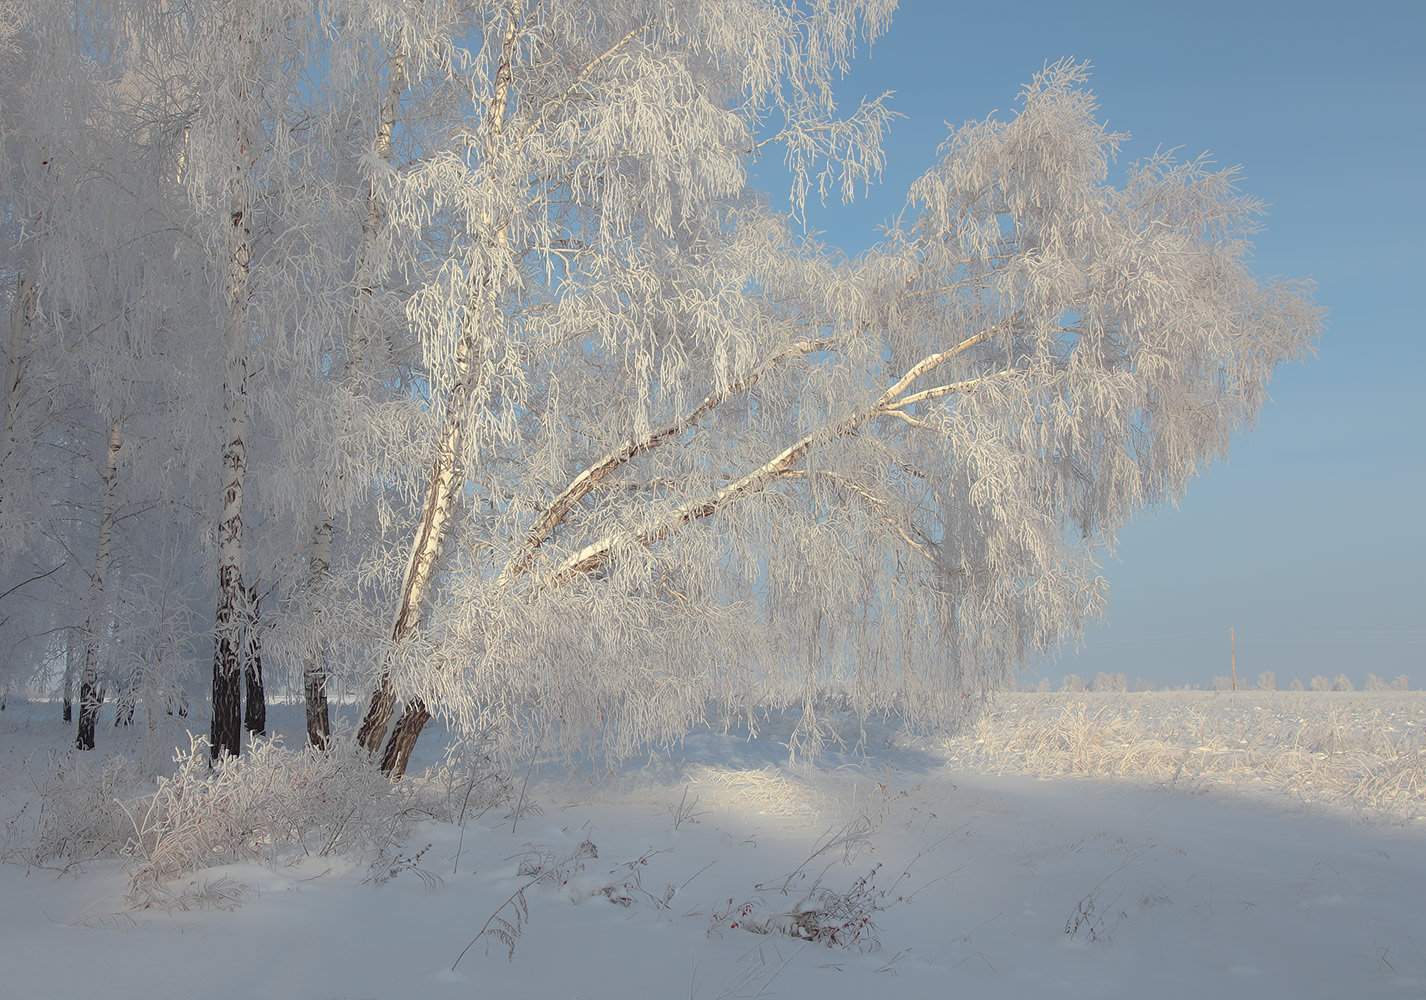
89	697
255	711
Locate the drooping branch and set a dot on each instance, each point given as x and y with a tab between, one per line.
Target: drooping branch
879	506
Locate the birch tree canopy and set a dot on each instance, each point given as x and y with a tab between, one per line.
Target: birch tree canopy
594	443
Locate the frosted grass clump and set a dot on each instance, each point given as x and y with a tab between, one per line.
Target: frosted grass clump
1364	753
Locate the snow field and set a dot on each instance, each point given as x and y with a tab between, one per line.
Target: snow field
628	884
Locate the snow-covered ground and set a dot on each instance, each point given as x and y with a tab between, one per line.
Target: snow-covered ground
691	874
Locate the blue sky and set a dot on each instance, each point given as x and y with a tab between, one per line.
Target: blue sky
1310	540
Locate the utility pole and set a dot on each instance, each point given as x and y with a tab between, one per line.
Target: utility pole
1233	648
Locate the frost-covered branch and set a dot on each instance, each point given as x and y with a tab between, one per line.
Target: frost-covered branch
591	477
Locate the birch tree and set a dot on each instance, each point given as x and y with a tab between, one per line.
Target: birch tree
707	461
593	135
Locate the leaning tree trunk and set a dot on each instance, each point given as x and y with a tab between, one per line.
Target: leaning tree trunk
444	485
89	696
255	710
420	568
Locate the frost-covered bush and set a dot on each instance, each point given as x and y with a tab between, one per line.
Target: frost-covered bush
1109	682
270	803
1375	683
1296	685
76	814
1320	683
1343	683
1267	681
248	808
1402	683
1073	683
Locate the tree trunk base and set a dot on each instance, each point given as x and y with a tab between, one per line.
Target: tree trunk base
88	716
255	712
403	739
319	723
378	715
227	731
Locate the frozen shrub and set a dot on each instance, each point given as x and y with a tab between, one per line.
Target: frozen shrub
1402	683
248	808
1343	683
1145	686
1375	683
270	803
77	814
1320	683
1296	685
1110	682
1073	683
1044	686
1222	684
1267	681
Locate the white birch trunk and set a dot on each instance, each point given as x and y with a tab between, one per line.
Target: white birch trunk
227	698
89	697
446	470
226	731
